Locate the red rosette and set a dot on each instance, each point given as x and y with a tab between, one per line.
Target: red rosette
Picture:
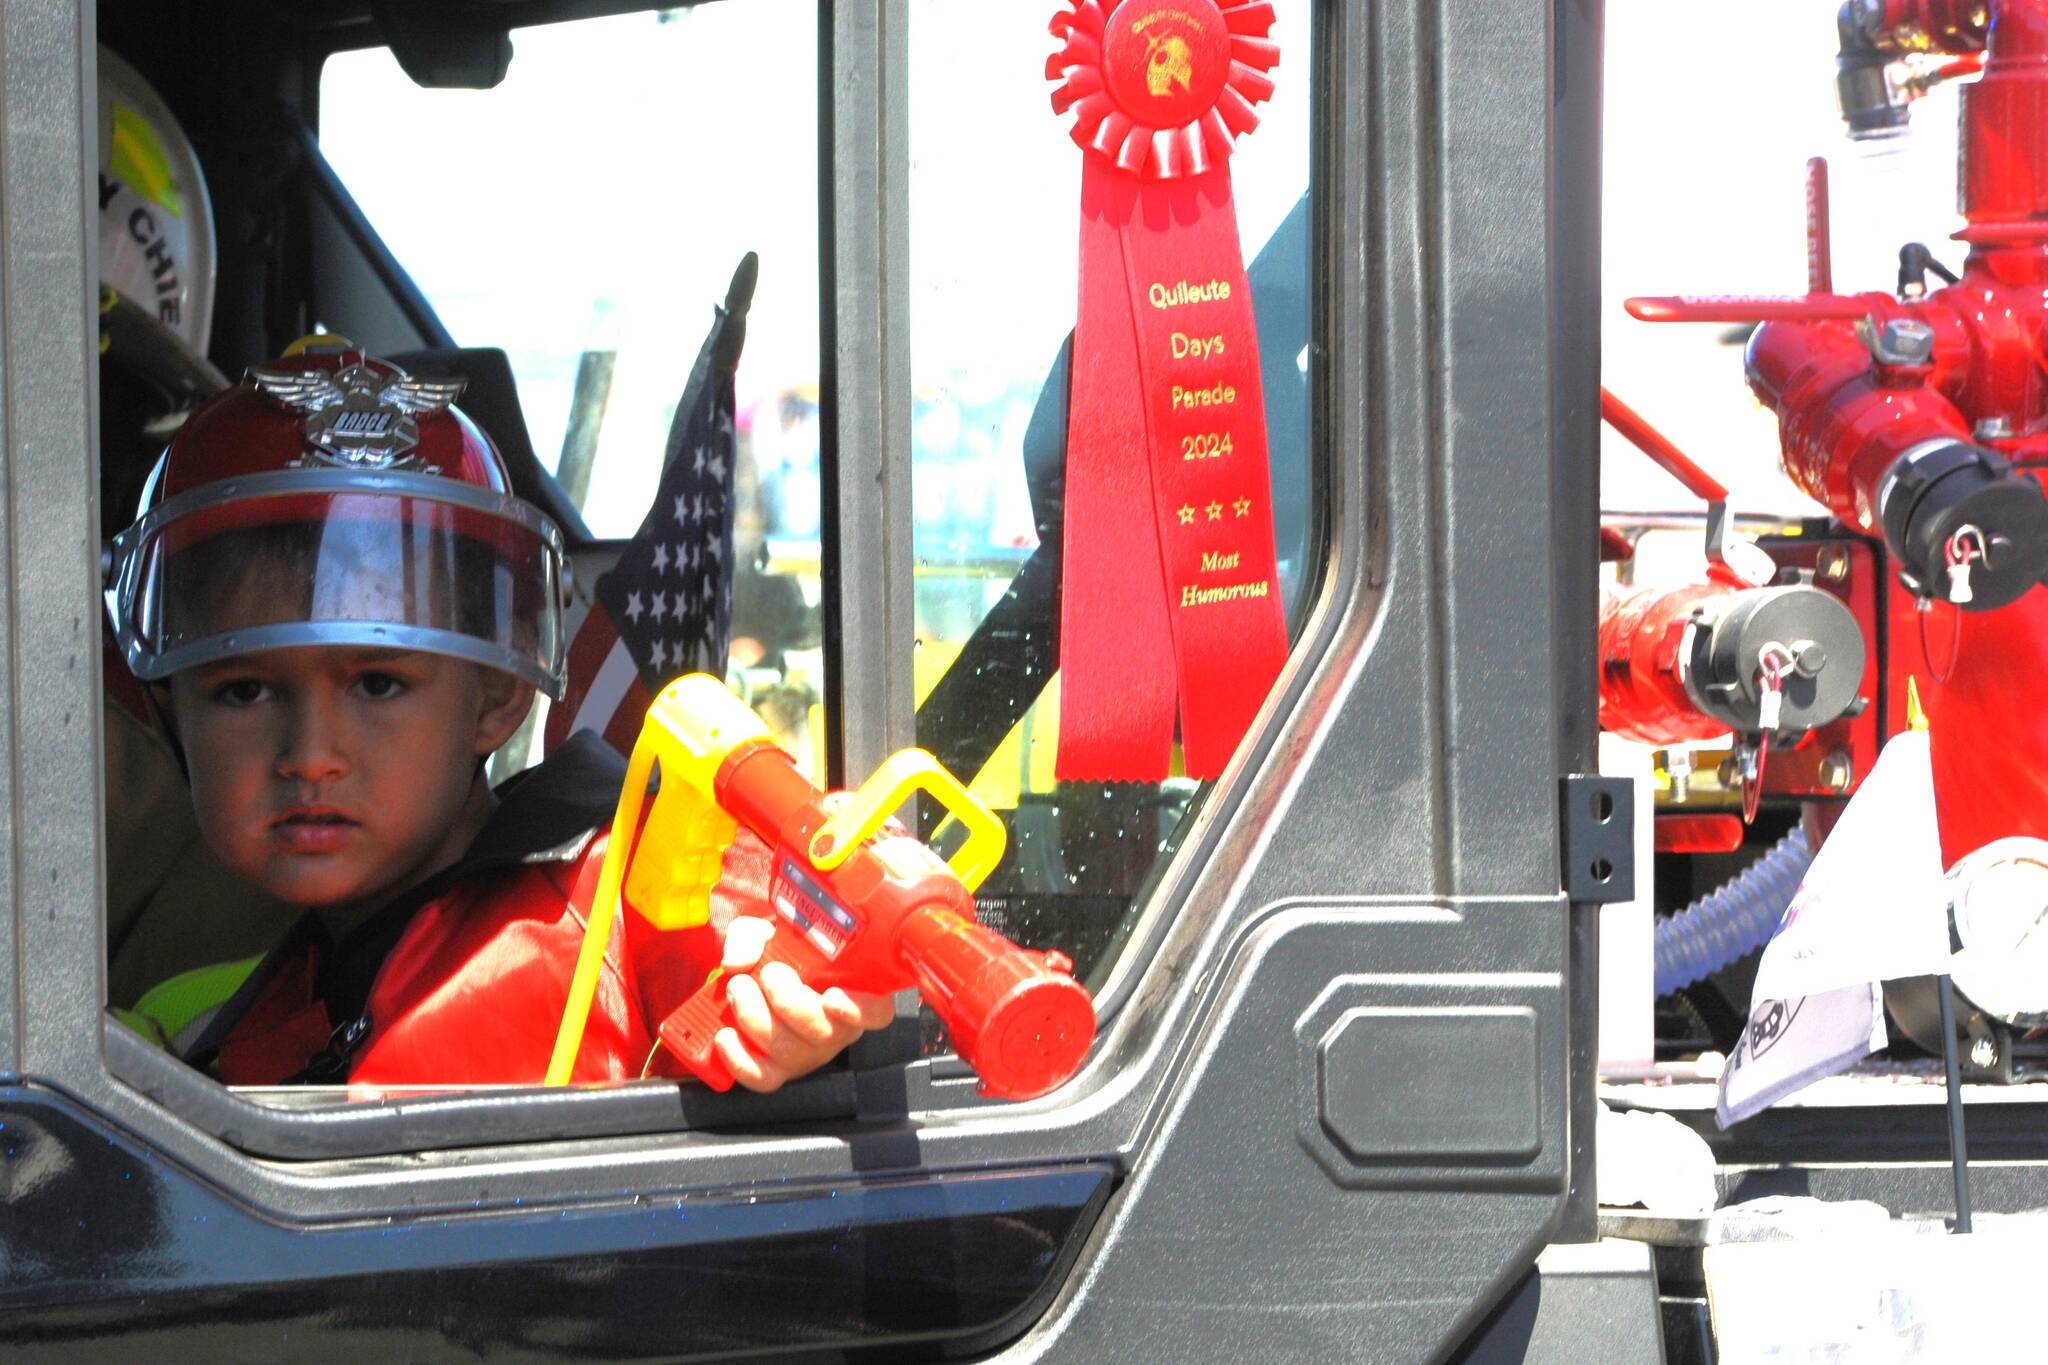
1170	596
1162	89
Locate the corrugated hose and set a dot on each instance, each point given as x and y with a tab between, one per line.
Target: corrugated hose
1739	916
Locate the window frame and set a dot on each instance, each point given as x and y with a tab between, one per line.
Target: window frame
1239	868
867	472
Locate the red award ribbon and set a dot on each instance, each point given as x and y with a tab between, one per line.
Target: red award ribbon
1170	588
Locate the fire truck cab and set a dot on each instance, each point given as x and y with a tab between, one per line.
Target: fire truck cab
1343	1098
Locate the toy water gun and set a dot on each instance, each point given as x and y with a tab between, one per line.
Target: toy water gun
876	916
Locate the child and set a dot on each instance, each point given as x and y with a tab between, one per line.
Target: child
342	612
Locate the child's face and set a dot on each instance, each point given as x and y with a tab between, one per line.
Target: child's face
333	775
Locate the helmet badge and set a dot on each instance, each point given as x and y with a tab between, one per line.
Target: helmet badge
359	417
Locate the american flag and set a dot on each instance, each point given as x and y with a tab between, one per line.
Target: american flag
665	608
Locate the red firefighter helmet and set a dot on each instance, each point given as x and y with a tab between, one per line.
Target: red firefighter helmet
330	498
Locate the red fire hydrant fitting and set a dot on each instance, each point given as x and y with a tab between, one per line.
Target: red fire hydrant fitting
1922	417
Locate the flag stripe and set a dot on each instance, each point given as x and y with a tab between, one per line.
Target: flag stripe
608	688
590	643
624	730
664	607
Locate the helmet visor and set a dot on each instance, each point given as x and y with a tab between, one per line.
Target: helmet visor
392	561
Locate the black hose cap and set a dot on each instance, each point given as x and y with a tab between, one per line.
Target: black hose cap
1870	106
1819	634
1936	490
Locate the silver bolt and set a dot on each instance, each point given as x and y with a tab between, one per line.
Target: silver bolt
1837	771
1808	657
1832	564
1983	1054
1903	341
1678	763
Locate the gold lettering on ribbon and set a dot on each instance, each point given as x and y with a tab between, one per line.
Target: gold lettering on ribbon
1192	596
1158	14
1215	396
1180	293
1215	561
1187	347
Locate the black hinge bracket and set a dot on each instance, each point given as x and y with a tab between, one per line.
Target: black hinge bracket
1599	838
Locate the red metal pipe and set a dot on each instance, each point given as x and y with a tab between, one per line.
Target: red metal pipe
1989	731
1820	259
2004	144
1749	307
1843	420
1658	447
1642	693
1699	833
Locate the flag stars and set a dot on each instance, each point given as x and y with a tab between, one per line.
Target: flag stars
670	624
1187	515
1243	506
1215	510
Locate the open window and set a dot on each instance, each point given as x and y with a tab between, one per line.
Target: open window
584	236
904	386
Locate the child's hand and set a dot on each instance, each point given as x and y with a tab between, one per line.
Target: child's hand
786	1029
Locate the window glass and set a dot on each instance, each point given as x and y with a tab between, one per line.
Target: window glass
589	214
995	184
585	216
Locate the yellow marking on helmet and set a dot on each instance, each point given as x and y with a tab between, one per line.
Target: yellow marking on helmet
137	160
320	341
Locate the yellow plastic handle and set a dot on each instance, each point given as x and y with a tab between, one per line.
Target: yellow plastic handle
692	725
904	772
603	909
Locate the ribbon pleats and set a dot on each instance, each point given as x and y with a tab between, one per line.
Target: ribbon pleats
1170	599
1171	589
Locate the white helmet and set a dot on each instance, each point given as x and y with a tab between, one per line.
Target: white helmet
156	220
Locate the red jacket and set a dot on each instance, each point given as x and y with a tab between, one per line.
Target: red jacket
463	980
